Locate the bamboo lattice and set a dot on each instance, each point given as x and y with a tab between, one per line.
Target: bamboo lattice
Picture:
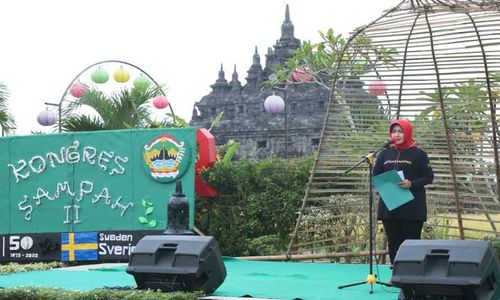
440	62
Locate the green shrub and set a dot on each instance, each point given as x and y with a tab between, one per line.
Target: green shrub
267	245
17	267
256	199
53	294
495	242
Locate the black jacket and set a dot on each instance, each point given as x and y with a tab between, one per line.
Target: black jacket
416	167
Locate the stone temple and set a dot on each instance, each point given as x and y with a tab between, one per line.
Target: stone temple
262	134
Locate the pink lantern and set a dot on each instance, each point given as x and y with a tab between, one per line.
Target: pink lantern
274	104
77	90
302	75
377	87
160	102
46	118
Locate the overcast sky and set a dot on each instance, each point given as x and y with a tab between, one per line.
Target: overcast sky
181	43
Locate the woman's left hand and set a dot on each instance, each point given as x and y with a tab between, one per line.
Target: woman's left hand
405	184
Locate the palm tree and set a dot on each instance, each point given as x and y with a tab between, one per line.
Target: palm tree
126	109
6	119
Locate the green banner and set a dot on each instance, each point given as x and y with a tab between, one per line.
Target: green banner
94	181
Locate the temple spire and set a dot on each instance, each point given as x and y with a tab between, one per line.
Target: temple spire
221	82
284	48
255	71
256	57
269	55
222	74
287	26
235	83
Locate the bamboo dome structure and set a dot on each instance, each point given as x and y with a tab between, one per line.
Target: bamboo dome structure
436	63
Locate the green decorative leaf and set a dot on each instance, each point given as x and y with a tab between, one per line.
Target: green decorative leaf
144	202
149	210
143	220
216	120
152	223
148	204
231	151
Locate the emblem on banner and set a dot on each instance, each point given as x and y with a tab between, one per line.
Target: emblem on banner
166	158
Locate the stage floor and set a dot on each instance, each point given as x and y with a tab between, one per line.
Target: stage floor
271	280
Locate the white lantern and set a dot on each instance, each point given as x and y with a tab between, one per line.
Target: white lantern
274	104
46	118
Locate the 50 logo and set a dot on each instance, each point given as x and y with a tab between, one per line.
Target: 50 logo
16	243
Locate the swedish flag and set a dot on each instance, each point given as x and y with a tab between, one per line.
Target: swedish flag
76	246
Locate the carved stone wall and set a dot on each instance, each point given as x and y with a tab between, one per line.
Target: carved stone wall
245	120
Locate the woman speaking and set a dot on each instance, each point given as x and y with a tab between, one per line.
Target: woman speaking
412	164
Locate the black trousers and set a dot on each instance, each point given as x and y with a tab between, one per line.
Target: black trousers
398	231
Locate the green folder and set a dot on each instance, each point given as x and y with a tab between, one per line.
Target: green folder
387	186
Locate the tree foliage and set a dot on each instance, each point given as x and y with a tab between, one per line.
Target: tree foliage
6	119
466	107
128	108
339	61
255	211
321	60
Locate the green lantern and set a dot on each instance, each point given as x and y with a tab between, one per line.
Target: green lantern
99	76
141	82
360	66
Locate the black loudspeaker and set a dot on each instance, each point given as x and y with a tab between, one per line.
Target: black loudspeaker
177	263
439	269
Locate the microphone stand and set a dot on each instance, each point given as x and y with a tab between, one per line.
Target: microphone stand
371	278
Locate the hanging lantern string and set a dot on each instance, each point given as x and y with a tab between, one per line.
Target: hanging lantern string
120	62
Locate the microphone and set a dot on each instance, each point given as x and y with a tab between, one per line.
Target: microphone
389	142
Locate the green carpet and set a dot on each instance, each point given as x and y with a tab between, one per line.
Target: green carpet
279	280
289	280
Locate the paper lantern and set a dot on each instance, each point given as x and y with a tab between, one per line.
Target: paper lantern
77	90
141	82
377	87
160	102
274	104
359	66
476	136
301	75
46	118
121	75
99	76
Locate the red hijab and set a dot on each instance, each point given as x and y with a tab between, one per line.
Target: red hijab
408	141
